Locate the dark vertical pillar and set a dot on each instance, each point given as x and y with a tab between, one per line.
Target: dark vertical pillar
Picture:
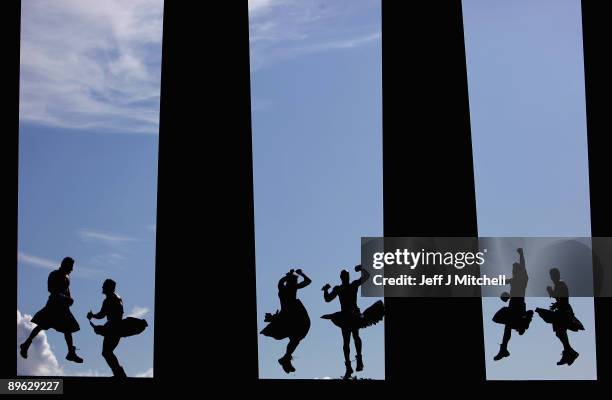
598	81
10	28
428	183
205	281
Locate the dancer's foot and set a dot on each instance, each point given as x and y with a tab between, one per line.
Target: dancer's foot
568	357
359	363
502	353
563	359
119	373
349	370
23	349
72	356
285	362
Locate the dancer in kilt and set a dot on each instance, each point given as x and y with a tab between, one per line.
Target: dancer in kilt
350	319
116	327
56	313
515	315
561	316
292	321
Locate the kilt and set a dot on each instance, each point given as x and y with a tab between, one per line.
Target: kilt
293	322
56	314
561	319
129	326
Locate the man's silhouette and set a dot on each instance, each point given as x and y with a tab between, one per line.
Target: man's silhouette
112	310
292	321
349	318
515	316
56	313
561	316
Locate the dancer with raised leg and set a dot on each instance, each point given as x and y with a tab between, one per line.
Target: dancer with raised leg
515	316
292	321
56	313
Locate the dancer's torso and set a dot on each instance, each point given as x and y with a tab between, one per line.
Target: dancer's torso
58	283
113	308
348	297
287	295
519	284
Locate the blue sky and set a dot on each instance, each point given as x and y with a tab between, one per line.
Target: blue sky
317	163
89	107
527	109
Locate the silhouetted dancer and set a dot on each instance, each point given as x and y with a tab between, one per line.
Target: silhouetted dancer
349	318
515	316
56	313
115	327
292	321
561	316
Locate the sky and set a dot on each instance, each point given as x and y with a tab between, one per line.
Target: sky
317	163
528	121
88	146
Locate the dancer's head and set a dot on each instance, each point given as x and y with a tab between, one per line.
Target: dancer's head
108	287
344	276
67	265
292	279
555	275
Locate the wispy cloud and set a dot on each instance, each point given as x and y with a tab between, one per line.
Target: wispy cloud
42	262
91	65
138	312
257	6
108	259
36	261
89	235
282	29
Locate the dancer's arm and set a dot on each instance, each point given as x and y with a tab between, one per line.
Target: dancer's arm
364	275
521	257
329	296
307	281
99	315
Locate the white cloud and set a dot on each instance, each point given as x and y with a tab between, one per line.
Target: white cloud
283	29
138	312
91	65
147	374
41	360
105	237
90	372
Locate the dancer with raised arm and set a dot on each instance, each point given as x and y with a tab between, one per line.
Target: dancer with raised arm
292	321
350	319
515	316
